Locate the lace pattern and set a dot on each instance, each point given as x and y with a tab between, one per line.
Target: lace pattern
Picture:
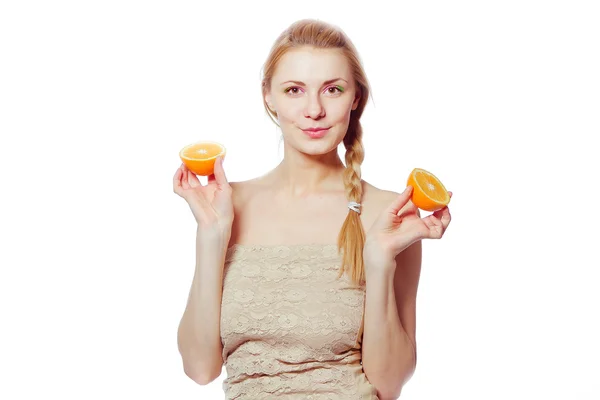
290	327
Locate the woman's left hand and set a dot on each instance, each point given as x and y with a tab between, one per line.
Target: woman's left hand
399	226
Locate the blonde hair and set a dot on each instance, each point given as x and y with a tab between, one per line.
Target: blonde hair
322	35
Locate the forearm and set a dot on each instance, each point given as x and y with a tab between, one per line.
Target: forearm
199	339
388	353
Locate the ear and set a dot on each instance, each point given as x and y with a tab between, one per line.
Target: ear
269	101
356	100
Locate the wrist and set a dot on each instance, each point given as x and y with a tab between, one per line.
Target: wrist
376	256
379	268
213	236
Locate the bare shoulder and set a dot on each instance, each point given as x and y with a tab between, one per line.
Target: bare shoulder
378	198
242	195
237	190
242	192
375	198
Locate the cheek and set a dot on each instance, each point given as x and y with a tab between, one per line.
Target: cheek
340	113
289	110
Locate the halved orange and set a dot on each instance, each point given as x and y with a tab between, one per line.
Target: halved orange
429	193
200	157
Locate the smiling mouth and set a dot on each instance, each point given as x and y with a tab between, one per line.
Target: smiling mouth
316	133
315	129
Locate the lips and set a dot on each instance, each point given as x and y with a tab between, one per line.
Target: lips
316	133
315	129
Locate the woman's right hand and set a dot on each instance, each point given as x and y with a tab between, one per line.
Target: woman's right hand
211	204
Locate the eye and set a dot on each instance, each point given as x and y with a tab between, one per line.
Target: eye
335	89
293	90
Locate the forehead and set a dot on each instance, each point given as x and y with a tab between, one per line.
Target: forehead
312	66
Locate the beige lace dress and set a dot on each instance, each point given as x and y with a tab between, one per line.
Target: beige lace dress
290	328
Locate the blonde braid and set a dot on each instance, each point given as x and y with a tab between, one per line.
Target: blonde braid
351	238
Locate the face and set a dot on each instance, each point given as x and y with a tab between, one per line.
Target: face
313	89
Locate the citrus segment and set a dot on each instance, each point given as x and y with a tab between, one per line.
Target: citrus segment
429	193
200	157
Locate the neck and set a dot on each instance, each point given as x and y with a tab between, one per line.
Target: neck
302	174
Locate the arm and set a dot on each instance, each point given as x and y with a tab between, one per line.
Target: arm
389	344
198	336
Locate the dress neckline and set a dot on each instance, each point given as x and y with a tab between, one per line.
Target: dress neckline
282	246
306	250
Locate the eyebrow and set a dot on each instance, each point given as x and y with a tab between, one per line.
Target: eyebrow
324	83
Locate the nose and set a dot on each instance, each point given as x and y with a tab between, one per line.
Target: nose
314	109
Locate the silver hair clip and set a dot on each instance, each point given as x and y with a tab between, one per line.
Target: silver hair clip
354	206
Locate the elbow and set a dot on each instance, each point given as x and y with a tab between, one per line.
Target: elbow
202	380
201	377
390	388
202	371
386	388
389	394
200	367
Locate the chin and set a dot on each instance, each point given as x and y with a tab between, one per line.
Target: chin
317	152
302	142
320	146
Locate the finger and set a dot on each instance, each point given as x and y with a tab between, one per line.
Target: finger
193	180
432	220
400	201
211	179
220	172
438	214
177	176
445	218
436	232
177	180
440	218
434	226
409	208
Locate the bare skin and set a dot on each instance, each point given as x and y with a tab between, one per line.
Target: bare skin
303	201
266	216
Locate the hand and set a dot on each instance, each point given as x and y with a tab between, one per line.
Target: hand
211	204
399	226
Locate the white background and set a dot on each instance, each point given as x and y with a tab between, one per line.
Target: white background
499	99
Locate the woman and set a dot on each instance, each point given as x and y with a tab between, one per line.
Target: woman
289	312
